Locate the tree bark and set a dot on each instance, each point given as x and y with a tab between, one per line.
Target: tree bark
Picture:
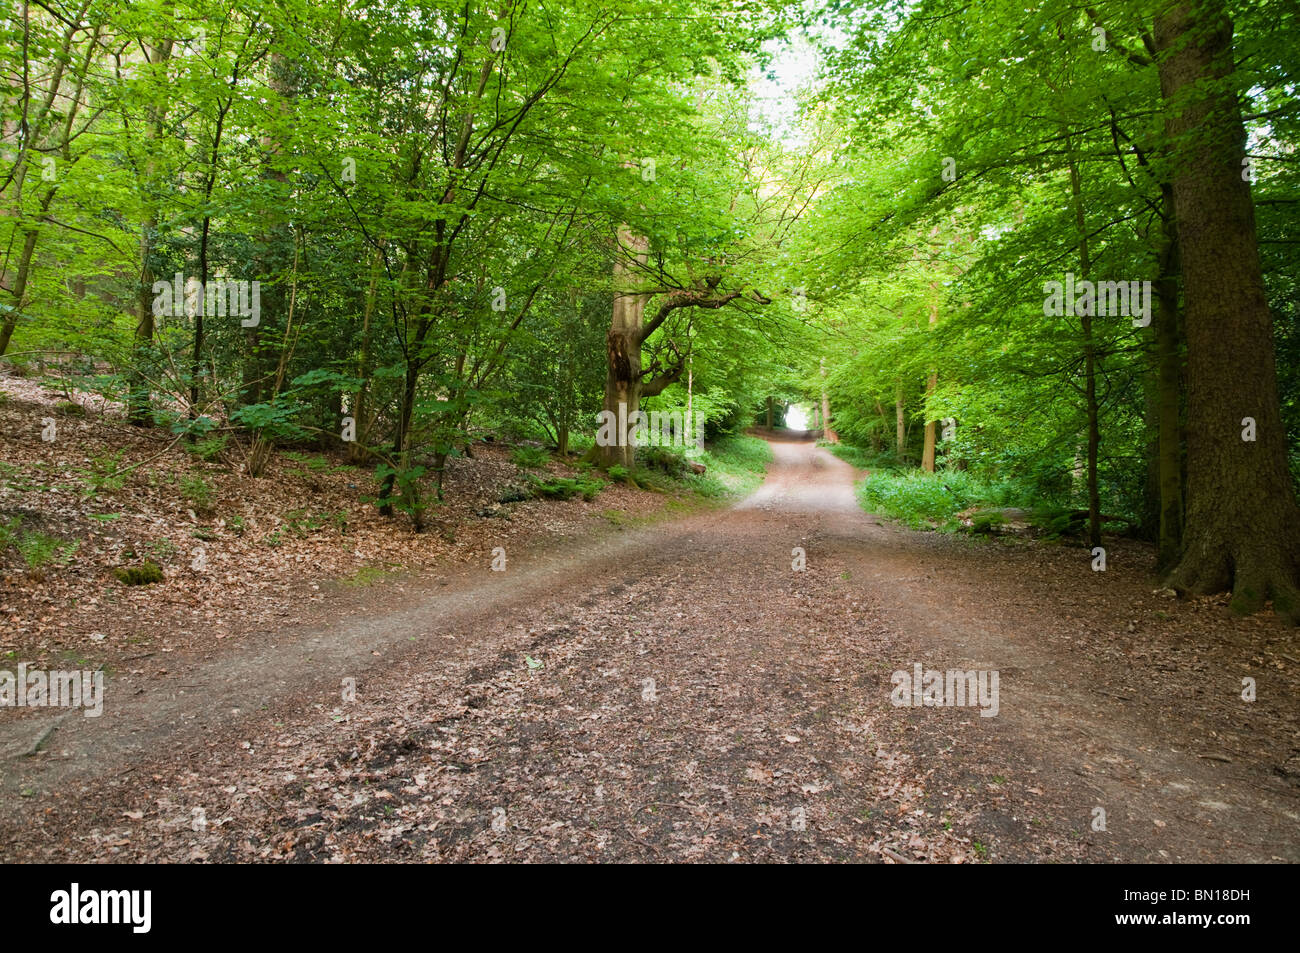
1243	525
827	433
1169	374
625	382
931	384
138	399
623	350
900	422
1089	355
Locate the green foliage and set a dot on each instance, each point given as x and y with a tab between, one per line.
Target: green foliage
983	524
198	493
106	473
664	460
302	522
530	458
9	531
39	550
209	449
161	549
313	461
565	488
740	453
861	458
928	500
429	219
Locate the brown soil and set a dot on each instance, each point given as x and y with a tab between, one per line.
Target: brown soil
679	692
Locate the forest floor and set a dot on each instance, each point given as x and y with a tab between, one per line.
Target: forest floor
665	687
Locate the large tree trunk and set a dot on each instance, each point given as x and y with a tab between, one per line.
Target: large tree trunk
625	382
260	356
1243	525
623	350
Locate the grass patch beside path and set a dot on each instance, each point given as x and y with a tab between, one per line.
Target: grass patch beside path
736	465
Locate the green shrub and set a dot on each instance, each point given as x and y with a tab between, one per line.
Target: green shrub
983	524
738	452
922	499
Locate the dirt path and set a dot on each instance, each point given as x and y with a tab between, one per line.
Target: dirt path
681	692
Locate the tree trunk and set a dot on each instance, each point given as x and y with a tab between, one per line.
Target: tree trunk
196	356
138	399
899	421
19	290
357	449
1243	525
827	432
927	448
1169	372
623	350
405	417
1089	355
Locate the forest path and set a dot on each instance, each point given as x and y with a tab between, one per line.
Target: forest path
680	692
